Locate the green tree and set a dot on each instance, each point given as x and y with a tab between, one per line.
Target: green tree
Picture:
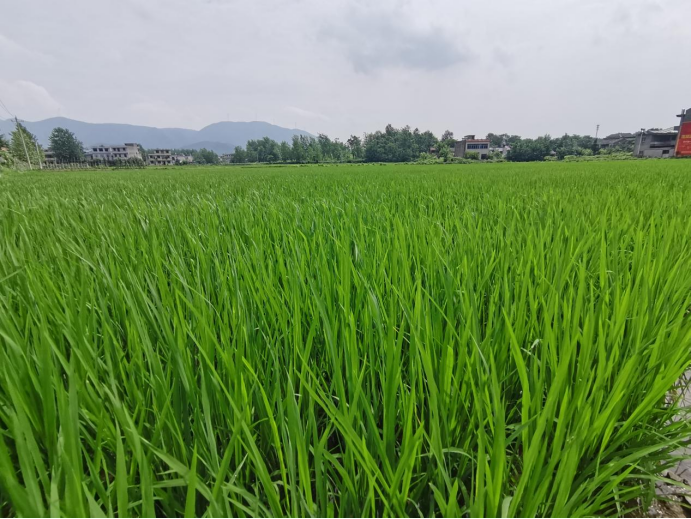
272	150
299	151
314	151
527	150
204	156
4	143
424	141
65	146
444	151
355	147
286	152
398	145
447	136
24	143
239	155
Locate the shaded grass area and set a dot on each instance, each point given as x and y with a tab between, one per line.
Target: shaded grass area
485	340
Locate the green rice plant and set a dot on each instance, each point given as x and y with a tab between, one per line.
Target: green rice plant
409	340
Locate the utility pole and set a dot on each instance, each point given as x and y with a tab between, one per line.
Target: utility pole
597	130
21	134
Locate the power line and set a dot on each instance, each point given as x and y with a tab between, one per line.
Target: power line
6	109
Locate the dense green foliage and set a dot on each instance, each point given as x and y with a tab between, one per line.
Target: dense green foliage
303	149
348	340
406	145
6	159
531	150
497	140
202	156
24	147
397	145
66	147
391	145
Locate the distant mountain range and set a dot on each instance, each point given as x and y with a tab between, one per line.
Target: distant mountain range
220	137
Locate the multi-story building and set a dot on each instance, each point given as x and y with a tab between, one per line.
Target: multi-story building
226	158
656	142
469	144
159	157
109	153
667	142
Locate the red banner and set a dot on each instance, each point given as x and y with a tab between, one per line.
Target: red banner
684	141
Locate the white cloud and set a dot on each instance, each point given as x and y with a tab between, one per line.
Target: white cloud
27	100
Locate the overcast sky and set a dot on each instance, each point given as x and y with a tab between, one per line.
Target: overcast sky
349	66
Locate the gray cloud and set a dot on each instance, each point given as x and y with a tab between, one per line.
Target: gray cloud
348	66
373	41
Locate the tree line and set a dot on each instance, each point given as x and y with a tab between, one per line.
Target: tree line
302	149
406	145
390	145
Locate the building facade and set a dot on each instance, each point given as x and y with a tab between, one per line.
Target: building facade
656	143
470	144
226	158
159	157
108	153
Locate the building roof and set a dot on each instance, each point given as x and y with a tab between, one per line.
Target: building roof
618	136
121	145
662	131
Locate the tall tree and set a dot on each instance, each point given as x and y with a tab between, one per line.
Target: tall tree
444	151
239	155
424	141
4	143
24	146
447	136
65	146
397	145
286	152
204	156
355	147
527	150
314	151
300	143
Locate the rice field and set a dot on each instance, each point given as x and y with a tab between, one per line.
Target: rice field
394	340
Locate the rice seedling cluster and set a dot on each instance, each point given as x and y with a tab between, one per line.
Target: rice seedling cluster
490	340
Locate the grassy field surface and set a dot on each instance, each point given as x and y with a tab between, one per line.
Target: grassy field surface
490	340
